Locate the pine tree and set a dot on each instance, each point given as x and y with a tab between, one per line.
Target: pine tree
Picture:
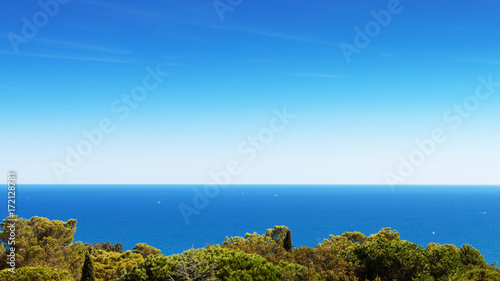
88	273
287	242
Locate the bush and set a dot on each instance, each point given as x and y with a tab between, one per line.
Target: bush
41	242
471	256
324	263
390	260
111	265
36	274
106	246
275	245
480	274
145	250
206	264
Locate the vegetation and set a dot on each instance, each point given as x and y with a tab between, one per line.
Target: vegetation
36	273
108	247
111	265
45	251
145	250
88	269
43	243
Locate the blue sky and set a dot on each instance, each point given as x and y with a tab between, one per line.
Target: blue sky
355	120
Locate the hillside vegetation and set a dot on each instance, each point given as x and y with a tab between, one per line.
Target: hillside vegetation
45	250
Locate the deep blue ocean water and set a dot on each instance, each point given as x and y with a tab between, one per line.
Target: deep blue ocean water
132	214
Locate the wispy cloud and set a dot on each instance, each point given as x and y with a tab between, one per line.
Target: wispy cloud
173	64
117	8
250	45
276	35
71	57
319	75
71	50
391	52
483	61
288	37
262	60
167	12
385	55
80	46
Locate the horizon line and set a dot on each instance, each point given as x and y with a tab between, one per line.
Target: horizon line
237	184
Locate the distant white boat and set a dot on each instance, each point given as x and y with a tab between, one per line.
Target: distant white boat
159	202
433	232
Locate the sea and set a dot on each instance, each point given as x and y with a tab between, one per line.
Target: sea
175	218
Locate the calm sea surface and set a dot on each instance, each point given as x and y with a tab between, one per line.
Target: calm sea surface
132	214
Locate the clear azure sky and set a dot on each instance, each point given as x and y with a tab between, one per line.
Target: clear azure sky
361	88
